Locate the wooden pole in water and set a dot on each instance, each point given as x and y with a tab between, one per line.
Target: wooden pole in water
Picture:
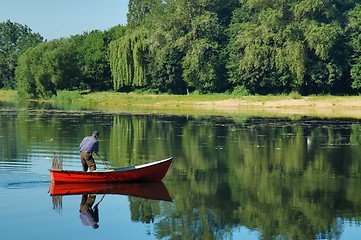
57	163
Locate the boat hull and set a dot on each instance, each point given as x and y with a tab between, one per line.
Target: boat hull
147	190
151	172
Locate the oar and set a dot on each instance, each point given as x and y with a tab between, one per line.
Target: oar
104	162
100	200
96	205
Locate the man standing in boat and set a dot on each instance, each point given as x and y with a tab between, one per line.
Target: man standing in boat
88	146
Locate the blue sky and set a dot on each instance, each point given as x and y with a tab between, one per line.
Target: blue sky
63	18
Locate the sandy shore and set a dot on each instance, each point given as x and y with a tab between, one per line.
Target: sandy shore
278	106
316	106
307	106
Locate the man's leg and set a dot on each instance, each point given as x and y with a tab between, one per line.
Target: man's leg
91	163
83	157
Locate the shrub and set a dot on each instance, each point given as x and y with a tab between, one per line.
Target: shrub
295	95
240	91
66	96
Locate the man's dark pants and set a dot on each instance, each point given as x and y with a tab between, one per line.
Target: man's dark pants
87	161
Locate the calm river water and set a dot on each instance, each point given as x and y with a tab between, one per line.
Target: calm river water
232	177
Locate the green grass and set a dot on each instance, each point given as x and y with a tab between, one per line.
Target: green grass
216	104
112	98
66	96
8	95
292	104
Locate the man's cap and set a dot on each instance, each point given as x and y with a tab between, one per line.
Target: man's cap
96	133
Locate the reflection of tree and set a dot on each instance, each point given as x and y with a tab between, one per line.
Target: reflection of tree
137	139
8	142
292	178
266	176
143	210
25	130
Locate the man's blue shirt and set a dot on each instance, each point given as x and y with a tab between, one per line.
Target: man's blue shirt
89	144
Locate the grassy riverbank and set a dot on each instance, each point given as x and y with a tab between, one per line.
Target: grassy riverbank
8	95
218	104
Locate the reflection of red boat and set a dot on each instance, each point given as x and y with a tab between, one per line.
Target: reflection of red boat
149	190
150	172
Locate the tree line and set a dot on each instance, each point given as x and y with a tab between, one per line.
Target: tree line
76	63
246	46
201	46
38	68
14	40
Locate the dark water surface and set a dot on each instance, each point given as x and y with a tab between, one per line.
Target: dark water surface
232	178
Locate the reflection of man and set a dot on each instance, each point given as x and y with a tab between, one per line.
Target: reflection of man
89	216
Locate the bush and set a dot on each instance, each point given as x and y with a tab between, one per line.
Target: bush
295	95
66	96
240	91
146	91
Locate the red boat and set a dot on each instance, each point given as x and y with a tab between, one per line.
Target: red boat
148	190
150	172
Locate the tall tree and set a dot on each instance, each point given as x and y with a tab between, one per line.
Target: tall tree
92	54
128	54
138	11
80	62
14	40
354	31
167	43
49	67
174	45
288	45
127	59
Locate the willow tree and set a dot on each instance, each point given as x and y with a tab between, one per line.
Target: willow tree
128	54
127	60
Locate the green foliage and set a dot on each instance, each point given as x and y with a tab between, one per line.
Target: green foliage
138	11
49	67
14	40
92	50
240	91
354	29
167	45
127	60
181	46
80	62
146	91
92	54
321	38
202	63
295	95
283	46
174	47
66	96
